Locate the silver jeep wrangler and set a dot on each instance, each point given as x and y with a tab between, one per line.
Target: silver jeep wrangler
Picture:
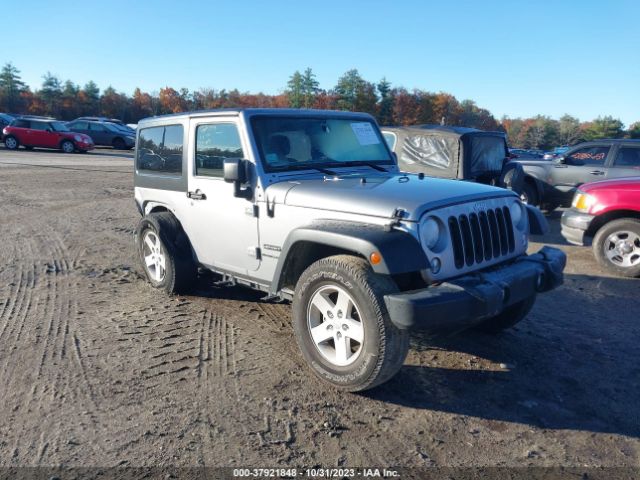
309	206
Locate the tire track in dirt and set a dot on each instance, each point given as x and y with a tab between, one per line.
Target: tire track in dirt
59	377
241	344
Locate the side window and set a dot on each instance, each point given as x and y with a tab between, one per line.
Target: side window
160	150
390	138
39	125
214	143
591	156
96	127
628	157
79	126
21	123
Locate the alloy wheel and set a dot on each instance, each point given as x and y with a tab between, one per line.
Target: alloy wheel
154	256
623	249
335	325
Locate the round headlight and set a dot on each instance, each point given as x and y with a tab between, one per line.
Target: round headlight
518	215
431	233
78	138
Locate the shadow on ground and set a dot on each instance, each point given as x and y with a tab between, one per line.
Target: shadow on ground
572	364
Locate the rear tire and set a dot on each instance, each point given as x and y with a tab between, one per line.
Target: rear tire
616	247
165	253
342	325
509	317
11	143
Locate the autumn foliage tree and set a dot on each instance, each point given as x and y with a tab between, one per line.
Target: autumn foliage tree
391	105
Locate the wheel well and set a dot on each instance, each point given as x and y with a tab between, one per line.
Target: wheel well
533	182
301	255
159	208
605	218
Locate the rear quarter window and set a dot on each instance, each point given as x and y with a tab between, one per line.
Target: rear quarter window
160	150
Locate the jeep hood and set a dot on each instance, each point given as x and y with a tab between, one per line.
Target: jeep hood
380	195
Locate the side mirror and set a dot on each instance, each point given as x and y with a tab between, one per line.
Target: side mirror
235	170
561	160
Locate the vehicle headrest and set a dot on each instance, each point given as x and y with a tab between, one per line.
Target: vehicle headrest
279	144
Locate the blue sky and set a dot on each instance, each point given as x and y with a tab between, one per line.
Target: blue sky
516	58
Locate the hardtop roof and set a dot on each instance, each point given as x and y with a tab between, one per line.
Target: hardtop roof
257	111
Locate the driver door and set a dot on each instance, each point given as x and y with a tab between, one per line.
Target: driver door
223	228
42	136
583	165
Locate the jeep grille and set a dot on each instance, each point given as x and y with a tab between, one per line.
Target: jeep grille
481	236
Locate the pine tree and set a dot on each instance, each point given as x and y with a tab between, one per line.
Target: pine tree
295	90
51	94
310	88
11	86
385	113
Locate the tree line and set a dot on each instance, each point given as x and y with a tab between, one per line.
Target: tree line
390	105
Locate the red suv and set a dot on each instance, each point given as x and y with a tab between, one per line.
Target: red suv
44	133
607	214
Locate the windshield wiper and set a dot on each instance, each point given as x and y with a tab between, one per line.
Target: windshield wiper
364	164
375	167
305	167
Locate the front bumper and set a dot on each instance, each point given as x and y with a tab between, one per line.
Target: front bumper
466	301
574	226
84	146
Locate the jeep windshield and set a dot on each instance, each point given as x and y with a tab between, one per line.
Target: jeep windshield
298	143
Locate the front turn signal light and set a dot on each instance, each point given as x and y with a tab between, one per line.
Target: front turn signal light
583	201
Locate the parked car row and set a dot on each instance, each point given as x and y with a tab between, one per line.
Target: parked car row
525	153
82	134
43	132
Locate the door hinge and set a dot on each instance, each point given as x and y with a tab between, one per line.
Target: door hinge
252	211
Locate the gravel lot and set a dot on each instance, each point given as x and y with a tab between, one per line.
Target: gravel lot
98	369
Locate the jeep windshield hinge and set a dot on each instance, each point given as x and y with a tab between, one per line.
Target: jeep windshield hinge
397	215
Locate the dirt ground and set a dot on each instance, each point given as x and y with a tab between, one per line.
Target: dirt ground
98	369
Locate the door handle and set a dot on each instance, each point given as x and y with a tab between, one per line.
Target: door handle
596	172
197	195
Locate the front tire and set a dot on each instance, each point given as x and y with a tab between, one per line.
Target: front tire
342	326
165	253
67	146
11	143
616	247
509	317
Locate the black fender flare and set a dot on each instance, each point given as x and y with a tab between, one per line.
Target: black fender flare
401	252
539	184
538	225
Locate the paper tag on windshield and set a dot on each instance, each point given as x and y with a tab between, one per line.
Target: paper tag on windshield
365	133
